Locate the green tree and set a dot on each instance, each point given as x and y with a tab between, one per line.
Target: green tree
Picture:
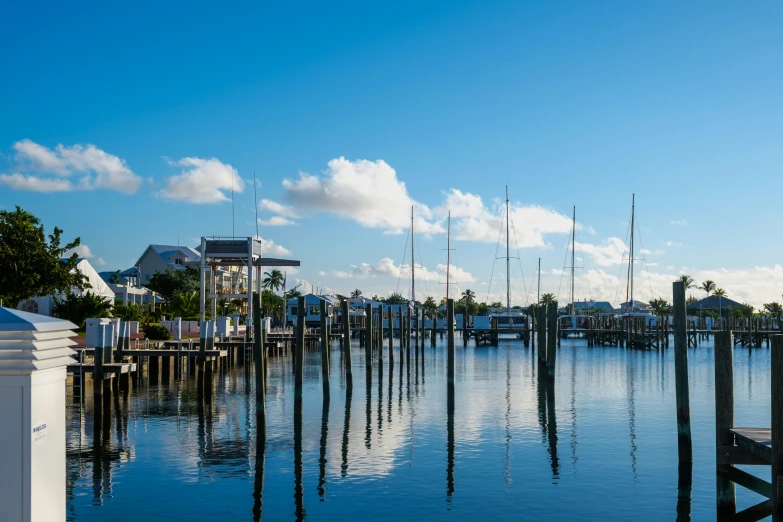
687	281
356	293
719	291
547	298
468	296
660	307
395	298
690	300
273	280
774	309
29	264
170	282
186	305
129	312
78	308
114	278
430	306
708	286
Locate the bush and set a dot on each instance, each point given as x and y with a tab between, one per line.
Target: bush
156	332
77	308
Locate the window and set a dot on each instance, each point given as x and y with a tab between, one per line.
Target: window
178	261
293	310
30	306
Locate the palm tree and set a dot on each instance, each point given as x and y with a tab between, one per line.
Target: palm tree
774	309
719	292
708	286
687	281
547	298
273	280
468	296
430	306
186	305
660	307
356	293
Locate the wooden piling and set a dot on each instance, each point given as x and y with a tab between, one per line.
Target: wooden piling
777	427
97	371
260	364
724	421
552	338
542	344
450	327
391	335
368	342
324	352
347	342
684	442
299	350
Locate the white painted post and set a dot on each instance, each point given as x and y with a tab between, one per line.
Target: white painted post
35	353
176	328
249	321
201	289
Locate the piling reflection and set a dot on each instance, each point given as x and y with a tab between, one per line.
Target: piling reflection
684	488
298	485
547	416
346	432
450	445
322	457
368	411
258	484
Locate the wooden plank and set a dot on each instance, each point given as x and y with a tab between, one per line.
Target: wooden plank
776	430
748	481
757	441
733	455
752	514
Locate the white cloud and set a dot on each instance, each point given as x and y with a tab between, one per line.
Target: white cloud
678	222
276	221
386	268
321	273
651	252
278	208
673	244
610	252
94	168
270	248
18	181
85	252
473	221
203	181
368	192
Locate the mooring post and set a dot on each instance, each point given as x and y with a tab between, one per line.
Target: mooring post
724	420
260	363
552	338
347	343
684	443
391	335
299	350
324	351
450	327
777	427
368	338
542	344
97	370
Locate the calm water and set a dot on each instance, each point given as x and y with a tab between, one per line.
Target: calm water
598	445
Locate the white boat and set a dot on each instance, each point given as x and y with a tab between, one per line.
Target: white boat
633	308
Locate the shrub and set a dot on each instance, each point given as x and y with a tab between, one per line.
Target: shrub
156	332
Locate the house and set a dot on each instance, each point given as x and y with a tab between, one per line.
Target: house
714	302
636	306
313	305
603	307
161	258
44	305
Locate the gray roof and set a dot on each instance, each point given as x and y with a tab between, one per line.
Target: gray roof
166	251
586	305
714	302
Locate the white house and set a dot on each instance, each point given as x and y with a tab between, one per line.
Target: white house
313	305
160	258
45	305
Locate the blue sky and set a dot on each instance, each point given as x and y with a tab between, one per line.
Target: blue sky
570	103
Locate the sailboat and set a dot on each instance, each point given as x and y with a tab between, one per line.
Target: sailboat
573	323
508	319
633	308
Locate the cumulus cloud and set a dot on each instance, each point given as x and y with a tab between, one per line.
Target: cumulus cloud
472	220
368	192
51	170
673	244
202	181
278	208
608	253
270	248
85	252
276	221
386	268
678	222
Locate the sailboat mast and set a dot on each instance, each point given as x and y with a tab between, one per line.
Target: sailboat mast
508	261
413	264
538	297
633	220
448	257
573	257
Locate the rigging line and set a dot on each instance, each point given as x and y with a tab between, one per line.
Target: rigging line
620	275
404	253
562	274
584	260
497	245
519	260
644	259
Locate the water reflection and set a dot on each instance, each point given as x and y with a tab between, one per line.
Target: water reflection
684	487
346	432
547	418
450	445
322	458
258	484
298	485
